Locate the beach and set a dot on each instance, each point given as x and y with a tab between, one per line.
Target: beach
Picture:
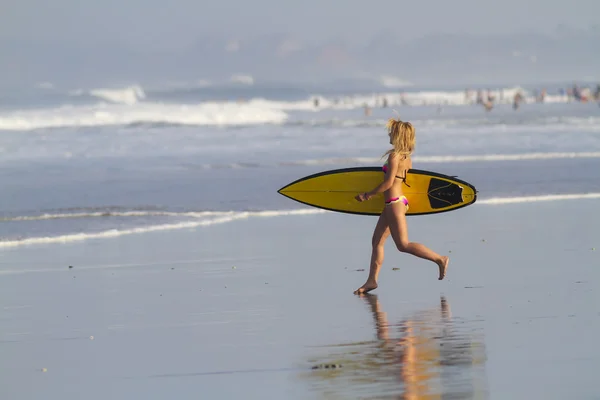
146	254
249	308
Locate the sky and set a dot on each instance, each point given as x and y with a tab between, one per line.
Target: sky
175	24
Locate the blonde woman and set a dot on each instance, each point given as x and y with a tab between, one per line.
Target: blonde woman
393	218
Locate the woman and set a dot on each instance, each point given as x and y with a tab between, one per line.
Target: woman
393	218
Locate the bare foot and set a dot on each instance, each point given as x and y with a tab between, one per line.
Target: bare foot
366	288
443	266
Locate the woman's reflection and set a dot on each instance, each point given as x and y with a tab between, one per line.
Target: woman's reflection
425	356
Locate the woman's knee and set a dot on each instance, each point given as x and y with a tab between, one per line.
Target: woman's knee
402	245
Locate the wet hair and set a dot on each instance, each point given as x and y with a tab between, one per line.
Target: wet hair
403	137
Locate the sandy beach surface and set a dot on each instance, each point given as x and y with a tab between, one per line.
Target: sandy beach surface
263	308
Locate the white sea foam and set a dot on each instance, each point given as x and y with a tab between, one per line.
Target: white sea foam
126	95
216	218
507	157
450	158
400	98
400	95
533	199
106	214
224	114
467	126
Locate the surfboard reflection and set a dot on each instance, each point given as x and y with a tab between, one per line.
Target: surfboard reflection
429	355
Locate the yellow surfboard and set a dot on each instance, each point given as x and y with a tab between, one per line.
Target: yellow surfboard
427	192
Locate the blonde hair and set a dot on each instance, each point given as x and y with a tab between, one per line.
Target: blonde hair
402	135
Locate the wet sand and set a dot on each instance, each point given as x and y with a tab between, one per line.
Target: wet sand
263	308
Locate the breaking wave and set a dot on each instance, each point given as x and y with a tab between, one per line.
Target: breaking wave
222	114
128	95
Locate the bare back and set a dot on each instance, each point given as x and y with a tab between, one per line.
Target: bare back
403	164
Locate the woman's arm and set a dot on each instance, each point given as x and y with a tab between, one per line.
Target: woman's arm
388	180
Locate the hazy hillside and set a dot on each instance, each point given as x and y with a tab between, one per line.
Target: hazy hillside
459	58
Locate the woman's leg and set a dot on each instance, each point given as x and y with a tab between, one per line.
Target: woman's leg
396	218
380	234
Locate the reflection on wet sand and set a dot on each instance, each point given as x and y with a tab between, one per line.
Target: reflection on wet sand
429	355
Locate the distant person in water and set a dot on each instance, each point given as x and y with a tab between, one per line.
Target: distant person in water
517	99
479	97
393	218
541	96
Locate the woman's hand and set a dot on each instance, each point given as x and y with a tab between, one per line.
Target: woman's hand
362	197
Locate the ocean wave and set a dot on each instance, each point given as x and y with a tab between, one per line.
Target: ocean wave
107	214
551	122
221	114
540	198
398	98
419	98
175	105
128	95
448	158
124	107
214	219
392	91
507	157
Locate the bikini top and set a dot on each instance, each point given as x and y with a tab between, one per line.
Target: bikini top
385	170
